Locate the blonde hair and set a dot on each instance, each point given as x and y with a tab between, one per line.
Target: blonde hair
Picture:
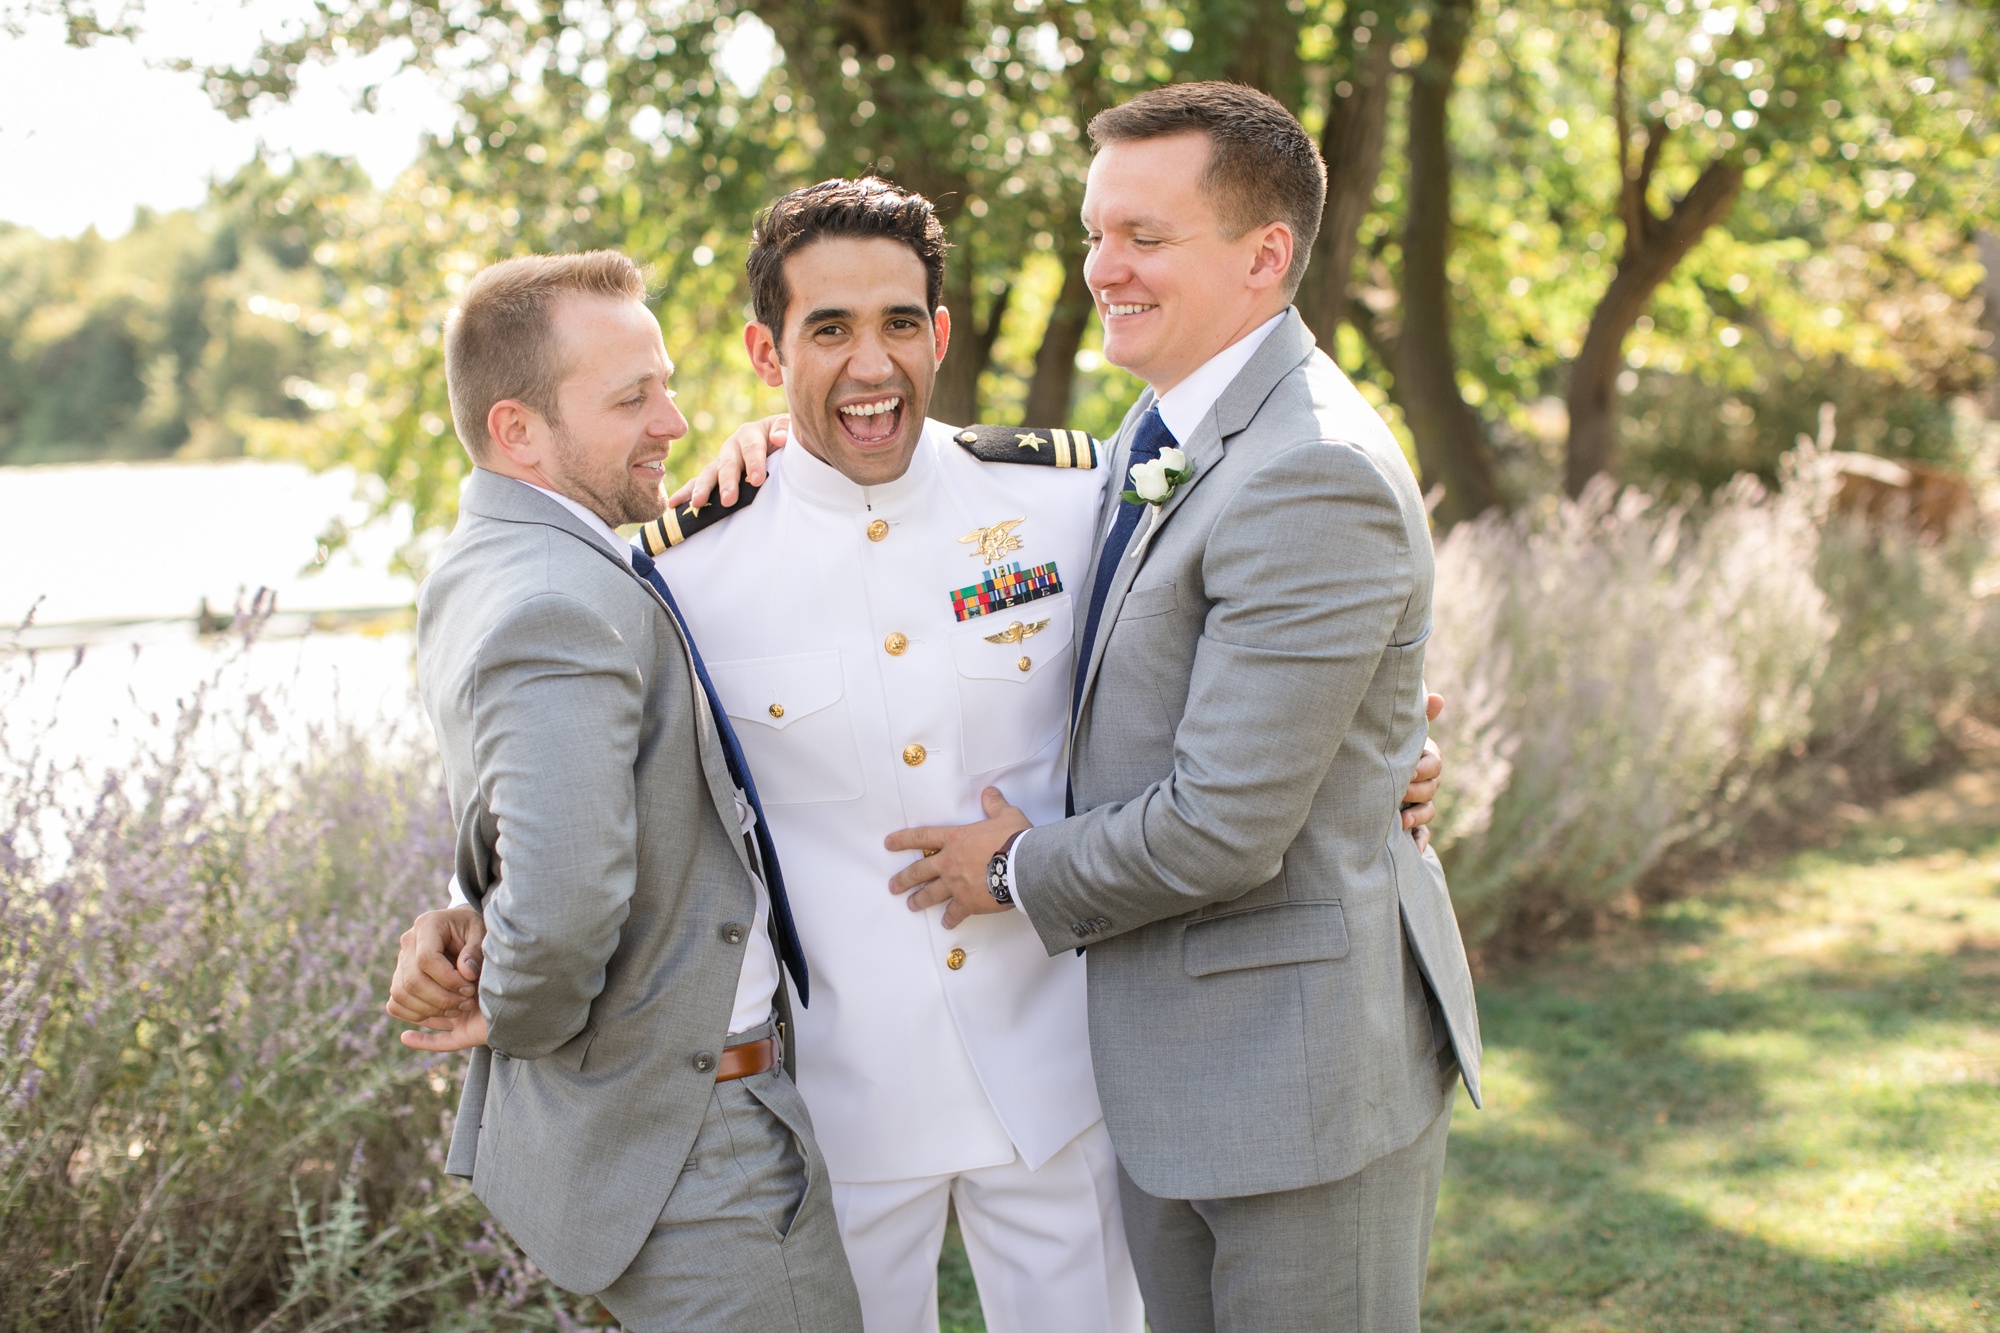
500	340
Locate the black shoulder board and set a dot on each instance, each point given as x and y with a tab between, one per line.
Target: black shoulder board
1019	444
677	525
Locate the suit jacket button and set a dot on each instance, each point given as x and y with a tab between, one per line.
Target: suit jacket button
704	1063
732	933
914	755
955	959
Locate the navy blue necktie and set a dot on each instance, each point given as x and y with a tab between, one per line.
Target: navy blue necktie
739	772
1148	439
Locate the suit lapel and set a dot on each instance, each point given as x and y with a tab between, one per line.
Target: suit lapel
1287	345
491	495
1121	453
708	741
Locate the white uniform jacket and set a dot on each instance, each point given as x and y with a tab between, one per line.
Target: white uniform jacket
862	643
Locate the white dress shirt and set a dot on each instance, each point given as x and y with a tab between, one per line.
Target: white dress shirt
757	983
1181	411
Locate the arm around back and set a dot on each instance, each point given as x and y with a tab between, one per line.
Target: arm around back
558	706
1307	570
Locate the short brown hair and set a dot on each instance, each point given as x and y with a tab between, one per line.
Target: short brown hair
1262	165
864	208
500	341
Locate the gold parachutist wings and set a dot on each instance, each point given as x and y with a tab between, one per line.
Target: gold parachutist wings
1016	632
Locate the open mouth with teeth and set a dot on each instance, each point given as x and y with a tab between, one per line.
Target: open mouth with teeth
1117	308
873	422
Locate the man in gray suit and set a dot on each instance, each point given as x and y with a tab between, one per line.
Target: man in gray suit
1280	1006
627	1116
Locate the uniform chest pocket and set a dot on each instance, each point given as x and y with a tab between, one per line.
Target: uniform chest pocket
790	715
1014	672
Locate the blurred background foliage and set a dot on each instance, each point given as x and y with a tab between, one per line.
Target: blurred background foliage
1647	238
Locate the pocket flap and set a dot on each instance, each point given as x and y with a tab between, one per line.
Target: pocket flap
1157	600
775	692
1265	937
993	647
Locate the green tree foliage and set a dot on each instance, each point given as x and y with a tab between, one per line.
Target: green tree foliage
182	337
1562	236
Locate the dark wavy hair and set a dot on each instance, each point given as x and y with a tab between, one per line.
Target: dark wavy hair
861	208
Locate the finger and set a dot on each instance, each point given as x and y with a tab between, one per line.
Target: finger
423	996
1423	837
1415	816
953	914
916	840
680	497
699	489
420	1040
402	1013
780	436
470	959
914	875
1420	793
928	897
433	966
728	467
1433	707
1429	764
993	802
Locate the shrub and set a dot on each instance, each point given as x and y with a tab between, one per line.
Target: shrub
205	1120
1631	678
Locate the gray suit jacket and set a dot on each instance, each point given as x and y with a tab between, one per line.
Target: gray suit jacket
597	832
1260	928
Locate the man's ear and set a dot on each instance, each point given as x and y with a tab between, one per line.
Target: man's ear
510	425
762	344
1273	256
941	330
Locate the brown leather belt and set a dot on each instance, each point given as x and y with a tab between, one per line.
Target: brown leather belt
752	1057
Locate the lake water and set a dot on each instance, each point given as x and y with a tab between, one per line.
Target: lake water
115	560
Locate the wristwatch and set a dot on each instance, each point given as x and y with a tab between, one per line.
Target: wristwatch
996	873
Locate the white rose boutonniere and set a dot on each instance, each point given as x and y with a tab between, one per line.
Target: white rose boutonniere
1153	484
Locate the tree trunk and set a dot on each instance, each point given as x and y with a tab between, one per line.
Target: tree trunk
1451	439
1261	38
1055	360
912	33
1653	247
956	396
1352	146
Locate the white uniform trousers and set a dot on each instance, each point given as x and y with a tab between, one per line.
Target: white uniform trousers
1047	1247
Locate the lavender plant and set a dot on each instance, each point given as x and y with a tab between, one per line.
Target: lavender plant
1632	678
205	1119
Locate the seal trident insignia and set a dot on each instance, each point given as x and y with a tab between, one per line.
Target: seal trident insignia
994	542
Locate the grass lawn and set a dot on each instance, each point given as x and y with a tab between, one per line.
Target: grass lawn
1773	1106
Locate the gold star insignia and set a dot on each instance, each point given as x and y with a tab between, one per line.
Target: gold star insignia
1027	439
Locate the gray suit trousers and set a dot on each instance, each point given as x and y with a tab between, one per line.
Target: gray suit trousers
1344	1257
747	1242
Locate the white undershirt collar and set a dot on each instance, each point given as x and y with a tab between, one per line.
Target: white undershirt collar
1183	406
590	519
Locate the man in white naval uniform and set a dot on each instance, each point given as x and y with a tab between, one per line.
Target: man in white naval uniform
909	644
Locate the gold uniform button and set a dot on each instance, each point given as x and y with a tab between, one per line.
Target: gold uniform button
1025	663
914	755
777	710
955	959
895	644
878	530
